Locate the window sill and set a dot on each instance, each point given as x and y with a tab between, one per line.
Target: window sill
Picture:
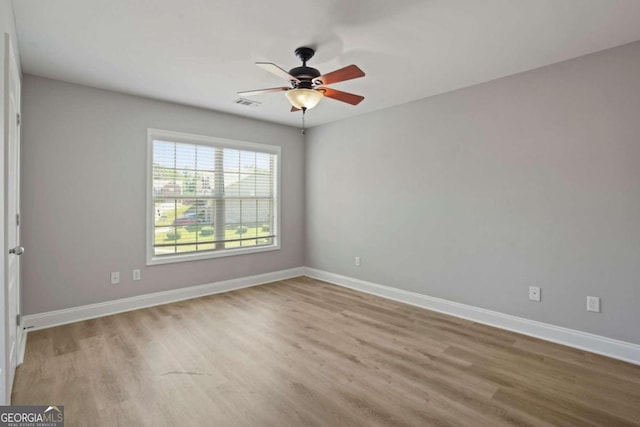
168	259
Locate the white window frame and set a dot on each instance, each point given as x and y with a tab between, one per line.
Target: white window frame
166	135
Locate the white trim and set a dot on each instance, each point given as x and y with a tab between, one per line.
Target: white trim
70	315
23	346
615	349
212	140
167	135
195	256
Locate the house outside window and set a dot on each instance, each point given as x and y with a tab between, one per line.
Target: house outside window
210	197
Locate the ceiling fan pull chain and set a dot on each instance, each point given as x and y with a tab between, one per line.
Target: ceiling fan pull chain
304	110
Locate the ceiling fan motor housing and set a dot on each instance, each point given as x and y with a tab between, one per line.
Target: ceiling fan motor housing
304	74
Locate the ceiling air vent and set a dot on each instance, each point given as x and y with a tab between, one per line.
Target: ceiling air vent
246	102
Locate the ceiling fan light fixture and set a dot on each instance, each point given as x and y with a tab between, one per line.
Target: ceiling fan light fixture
304	98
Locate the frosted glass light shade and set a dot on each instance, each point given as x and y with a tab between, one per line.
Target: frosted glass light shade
307	98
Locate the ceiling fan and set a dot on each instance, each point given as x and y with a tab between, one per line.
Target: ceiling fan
308	86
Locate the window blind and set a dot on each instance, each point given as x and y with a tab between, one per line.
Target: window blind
211	198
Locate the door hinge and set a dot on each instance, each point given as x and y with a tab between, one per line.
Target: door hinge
17	220
18	319
18	119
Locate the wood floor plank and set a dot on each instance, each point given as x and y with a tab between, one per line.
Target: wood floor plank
301	352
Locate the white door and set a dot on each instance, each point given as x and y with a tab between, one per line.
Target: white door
11	219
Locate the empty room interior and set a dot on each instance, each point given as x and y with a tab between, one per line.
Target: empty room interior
328	213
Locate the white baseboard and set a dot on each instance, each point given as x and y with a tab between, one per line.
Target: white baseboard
615	349
70	315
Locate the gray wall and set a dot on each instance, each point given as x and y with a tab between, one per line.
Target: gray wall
83	195
474	195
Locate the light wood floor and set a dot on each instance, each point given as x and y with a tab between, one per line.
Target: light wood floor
302	352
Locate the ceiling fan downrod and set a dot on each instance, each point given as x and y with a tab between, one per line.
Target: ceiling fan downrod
304	54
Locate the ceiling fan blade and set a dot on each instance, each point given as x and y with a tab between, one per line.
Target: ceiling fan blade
347	73
273	68
262	91
347	97
294	109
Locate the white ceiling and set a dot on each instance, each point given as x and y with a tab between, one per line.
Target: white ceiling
201	52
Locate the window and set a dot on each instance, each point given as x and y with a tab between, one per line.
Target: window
210	197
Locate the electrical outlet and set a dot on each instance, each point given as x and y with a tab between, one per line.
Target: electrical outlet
357	261
593	304
115	277
136	274
534	293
